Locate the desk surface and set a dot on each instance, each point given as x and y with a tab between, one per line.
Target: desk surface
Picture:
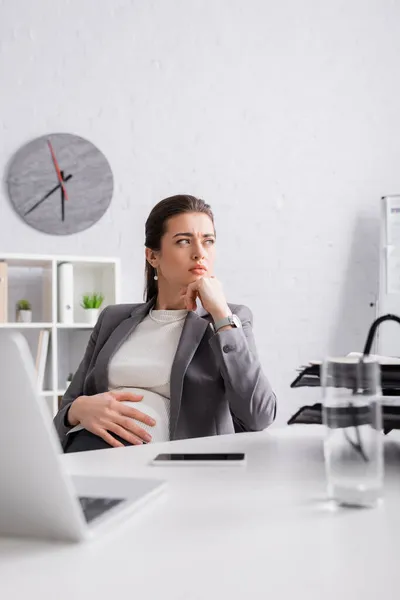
259	531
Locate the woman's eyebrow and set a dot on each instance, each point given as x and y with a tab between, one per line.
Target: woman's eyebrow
188	234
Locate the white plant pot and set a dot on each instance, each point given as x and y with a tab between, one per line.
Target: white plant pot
24	316
91	315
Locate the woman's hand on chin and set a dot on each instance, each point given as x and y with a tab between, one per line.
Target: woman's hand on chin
211	295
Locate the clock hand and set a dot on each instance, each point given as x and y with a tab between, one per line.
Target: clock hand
62	199
57	168
68	177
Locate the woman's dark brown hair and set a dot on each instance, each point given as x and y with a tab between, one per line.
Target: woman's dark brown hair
156	226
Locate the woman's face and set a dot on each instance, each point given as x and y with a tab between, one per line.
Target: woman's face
189	242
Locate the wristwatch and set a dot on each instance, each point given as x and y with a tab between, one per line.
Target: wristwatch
232	320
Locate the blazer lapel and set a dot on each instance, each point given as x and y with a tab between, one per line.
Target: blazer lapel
117	337
193	330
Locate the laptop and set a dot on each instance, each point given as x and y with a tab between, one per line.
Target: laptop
37	497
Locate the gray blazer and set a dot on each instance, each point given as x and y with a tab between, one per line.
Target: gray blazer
217	383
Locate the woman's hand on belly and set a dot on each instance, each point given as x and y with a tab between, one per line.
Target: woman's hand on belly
107	412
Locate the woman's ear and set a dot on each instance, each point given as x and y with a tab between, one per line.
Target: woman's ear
151	257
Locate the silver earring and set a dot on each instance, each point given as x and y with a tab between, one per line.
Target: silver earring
156	277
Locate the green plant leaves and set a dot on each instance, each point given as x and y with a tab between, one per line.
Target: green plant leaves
92	300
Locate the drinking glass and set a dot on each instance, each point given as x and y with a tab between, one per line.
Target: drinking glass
353	445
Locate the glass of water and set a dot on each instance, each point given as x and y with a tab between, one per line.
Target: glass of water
352	414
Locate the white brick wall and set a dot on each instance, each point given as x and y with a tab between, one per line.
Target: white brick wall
283	115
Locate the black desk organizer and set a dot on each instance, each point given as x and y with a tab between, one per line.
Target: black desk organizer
390	383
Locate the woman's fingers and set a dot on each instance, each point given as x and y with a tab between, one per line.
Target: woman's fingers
124	434
190	295
129	425
134	413
125	429
108	438
130	396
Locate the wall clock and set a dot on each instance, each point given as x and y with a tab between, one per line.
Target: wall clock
60	183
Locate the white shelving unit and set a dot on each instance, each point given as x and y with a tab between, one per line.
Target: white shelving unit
35	278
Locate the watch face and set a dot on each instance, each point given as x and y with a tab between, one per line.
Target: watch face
236	321
60	183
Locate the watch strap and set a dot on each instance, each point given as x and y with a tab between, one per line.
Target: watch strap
229	320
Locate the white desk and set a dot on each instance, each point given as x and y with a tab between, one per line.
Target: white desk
262	531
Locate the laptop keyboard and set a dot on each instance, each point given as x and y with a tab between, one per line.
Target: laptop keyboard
94	507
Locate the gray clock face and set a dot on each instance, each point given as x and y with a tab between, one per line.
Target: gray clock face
60	183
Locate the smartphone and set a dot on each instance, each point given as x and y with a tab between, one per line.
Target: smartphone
212	459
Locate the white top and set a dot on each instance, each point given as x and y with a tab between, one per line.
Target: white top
142	365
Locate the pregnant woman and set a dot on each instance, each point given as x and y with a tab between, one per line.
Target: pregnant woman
183	364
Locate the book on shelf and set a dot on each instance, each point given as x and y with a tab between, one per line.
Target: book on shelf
41	357
3	292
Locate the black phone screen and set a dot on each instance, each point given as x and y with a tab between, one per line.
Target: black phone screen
238	456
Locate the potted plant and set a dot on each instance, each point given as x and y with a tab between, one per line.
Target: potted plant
24	311
91	304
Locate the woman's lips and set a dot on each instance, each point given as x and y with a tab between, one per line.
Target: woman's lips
198	271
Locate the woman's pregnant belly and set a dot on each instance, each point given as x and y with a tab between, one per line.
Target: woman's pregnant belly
154	405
